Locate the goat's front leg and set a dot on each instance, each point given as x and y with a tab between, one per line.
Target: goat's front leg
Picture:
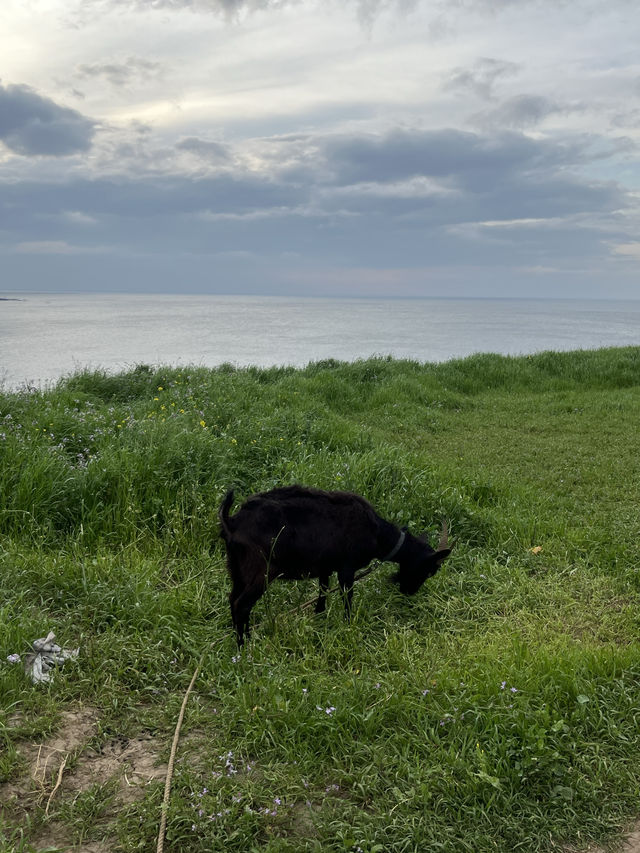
345	579
321	603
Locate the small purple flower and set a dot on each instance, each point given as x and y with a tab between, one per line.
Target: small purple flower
377	685
503	685
277	801
514	689
424	692
193	827
14	658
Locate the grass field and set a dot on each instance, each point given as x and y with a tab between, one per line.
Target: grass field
498	709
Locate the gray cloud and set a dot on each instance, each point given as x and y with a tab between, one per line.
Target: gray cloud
391	198
213	152
524	111
626	118
225	8
129	200
474	160
481	77
31	124
367	10
119	74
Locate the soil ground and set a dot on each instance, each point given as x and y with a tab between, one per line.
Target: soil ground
67	764
130	763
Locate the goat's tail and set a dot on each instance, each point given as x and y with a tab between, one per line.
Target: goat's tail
223	515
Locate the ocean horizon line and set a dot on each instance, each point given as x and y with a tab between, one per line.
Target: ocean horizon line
11	296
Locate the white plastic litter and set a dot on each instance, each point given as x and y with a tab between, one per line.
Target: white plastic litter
45	655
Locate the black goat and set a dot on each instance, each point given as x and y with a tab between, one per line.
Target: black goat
296	532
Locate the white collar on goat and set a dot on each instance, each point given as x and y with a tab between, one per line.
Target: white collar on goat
395	548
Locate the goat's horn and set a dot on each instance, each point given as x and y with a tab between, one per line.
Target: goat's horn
444	536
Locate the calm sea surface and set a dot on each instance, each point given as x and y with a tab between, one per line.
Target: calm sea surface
45	336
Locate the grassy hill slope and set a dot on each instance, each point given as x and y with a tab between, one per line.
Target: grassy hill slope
498	709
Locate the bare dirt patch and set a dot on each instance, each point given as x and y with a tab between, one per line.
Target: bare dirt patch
64	766
45	759
55	839
630	844
134	762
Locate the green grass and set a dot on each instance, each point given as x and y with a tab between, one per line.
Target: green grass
498	709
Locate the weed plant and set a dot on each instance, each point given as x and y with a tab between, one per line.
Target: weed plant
498	709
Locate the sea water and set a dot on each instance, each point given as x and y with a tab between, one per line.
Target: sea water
46	336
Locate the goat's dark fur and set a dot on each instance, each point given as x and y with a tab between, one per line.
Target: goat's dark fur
297	532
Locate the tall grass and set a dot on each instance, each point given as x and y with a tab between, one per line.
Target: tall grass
497	709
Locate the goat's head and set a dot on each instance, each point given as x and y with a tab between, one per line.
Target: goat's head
421	563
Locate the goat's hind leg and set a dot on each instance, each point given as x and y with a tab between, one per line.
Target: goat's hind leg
241	610
321	603
345	579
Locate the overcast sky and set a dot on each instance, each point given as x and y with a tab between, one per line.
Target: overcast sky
339	147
